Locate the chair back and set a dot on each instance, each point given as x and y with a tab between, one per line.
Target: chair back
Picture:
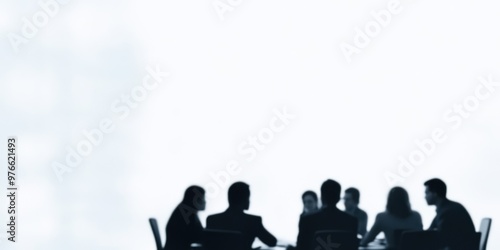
484	229
397	236
419	240
156	233
222	240
335	240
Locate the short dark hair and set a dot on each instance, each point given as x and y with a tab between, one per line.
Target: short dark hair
311	193
354	192
238	193
330	192
436	186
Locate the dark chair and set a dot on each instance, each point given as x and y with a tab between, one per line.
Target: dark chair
222	240
156	233
335	240
397	236
419	240
484	229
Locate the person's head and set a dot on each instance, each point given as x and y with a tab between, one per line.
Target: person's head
194	197
435	190
330	192
398	202
351	198
239	195
310	200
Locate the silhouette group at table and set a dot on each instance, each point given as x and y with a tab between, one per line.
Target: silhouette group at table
452	224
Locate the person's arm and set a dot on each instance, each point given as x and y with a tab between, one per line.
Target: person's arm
362	224
374	231
265	236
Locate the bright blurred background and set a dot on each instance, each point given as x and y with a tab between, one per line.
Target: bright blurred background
353	121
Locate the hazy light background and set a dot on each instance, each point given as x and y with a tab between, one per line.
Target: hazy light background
352	122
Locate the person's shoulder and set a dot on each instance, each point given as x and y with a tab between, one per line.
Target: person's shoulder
362	212
252	217
383	214
455	206
182	211
211	217
310	213
215	216
347	216
415	213
460	210
320	212
311	217
216	219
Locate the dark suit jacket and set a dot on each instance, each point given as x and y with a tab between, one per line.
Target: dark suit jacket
249	225
328	218
455	226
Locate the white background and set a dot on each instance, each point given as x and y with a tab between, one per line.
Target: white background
353	120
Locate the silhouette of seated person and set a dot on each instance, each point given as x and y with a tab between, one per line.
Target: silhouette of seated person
184	226
235	219
351	203
329	217
397	216
453	223
310	202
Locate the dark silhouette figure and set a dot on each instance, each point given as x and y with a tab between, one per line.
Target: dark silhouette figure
453	222
351	202
329	217
397	216
235	219
184	226
310	201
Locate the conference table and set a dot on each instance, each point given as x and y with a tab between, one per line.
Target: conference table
378	244
369	247
372	246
